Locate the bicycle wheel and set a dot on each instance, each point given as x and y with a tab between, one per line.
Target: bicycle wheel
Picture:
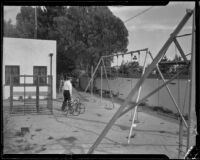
71	108
81	108
66	110
76	100
76	110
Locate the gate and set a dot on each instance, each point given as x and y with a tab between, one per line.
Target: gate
35	98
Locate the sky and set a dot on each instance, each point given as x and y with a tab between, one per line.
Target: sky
148	30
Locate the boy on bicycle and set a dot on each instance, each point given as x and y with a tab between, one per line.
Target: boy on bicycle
67	92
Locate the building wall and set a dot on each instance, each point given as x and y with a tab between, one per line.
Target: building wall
28	53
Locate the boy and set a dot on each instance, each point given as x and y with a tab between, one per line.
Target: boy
67	92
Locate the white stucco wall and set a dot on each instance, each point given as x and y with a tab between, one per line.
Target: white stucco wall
28	53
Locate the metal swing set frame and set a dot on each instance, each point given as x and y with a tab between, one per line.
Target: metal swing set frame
103	67
121	111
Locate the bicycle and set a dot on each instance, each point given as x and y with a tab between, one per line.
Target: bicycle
75	107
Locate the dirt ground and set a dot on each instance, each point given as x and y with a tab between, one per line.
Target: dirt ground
57	134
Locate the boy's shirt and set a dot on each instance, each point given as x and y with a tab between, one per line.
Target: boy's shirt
68	86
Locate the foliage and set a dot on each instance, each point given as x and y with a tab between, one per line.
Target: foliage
178	68
130	69
83	33
165	68
9	29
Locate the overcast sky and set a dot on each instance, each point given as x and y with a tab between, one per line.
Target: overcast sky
148	30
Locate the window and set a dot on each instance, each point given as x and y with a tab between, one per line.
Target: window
40	71
11	71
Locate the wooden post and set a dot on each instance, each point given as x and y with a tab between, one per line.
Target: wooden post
158	93
101	81
11	94
24	92
91	85
37	94
48	91
139	83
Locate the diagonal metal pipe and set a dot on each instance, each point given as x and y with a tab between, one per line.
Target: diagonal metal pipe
169	91
139	83
108	83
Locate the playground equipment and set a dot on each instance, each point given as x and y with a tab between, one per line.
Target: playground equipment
121	111
138	96
28	103
102	63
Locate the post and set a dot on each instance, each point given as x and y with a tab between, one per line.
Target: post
51	93
180	124
91	85
35	31
93	75
158	92
51	74
24	93
50	101
192	81
48	91
108	83
11	94
101	81
139	83
37	94
138	96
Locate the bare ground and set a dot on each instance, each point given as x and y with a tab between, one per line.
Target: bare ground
58	134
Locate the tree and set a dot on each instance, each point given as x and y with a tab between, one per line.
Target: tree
93	32
178	68
25	22
131	69
165	68
83	33
9	29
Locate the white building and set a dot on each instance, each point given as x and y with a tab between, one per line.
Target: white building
28	57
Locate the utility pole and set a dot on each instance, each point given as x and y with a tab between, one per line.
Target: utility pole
35	30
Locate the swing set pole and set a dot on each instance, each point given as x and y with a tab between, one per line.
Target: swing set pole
108	83
93	74
192	80
138	96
